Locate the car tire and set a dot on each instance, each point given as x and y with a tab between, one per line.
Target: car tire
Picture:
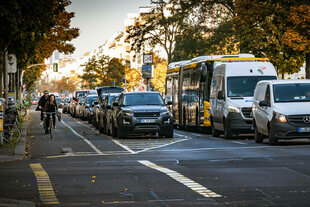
168	134
227	131
258	137
121	133
107	130
113	133
273	140
214	132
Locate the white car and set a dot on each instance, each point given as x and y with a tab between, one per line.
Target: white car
281	110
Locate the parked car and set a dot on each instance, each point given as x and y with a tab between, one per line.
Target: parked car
232	89
79	106
77	95
102	92
35	101
59	101
281	110
90	111
65	108
142	113
103	110
110	117
85	106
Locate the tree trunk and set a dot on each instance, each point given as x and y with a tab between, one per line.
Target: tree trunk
1	73
307	65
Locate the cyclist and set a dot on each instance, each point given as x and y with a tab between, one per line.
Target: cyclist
42	103
50	106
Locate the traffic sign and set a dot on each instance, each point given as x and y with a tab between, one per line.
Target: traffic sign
148	58
147	71
12	63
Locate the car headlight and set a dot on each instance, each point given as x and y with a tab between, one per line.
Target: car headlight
164	112
280	117
127	113
233	109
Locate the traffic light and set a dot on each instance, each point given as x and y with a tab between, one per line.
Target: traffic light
55	67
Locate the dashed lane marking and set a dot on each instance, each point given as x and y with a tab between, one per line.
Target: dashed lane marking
236	142
86	140
182	179
45	187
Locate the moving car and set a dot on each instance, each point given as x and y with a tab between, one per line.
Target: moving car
281	110
232	88
142	113
35	101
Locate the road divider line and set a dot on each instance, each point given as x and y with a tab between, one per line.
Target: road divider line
182	179
45	187
86	140
124	146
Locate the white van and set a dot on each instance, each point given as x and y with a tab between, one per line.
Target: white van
281	110
232	88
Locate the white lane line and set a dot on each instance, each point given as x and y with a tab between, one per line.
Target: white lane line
216	148
215	138
182	179
124	146
236	142
86	140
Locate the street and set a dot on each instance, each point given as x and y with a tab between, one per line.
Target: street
80	167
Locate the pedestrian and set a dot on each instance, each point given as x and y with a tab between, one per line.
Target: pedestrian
51	106
42	103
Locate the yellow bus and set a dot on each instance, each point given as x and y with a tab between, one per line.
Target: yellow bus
188	85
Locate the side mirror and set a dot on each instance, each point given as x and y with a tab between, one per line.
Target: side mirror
204	73
264	103
115	104
169	102
220	95
109	107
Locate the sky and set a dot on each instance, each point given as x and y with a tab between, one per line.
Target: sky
99	19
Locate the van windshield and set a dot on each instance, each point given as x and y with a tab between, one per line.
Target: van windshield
244	86
292	92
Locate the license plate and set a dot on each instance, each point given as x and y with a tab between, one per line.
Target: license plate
306	129
147	121
1	124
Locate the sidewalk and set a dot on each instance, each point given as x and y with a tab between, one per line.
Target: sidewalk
10	152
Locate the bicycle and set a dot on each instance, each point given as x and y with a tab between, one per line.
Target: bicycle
22	111
11	132
50	126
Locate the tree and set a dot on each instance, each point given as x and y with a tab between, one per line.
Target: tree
261	26
103	71
133	77
297	35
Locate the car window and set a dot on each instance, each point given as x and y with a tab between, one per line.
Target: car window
267	96
292	92
142	99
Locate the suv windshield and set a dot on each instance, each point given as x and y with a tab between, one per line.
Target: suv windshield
244	86
142	99
292	92
111	99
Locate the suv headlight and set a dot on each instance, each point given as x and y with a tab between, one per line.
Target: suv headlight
127	113
280	117
233	109
164	112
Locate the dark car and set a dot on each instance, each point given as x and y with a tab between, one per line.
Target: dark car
142	113
79	106
90	111
77	95
102	93
59	102
110	117
85	105
103	110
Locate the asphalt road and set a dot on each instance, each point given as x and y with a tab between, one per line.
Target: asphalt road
80	167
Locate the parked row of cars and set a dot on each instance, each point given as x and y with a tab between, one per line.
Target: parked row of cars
119	114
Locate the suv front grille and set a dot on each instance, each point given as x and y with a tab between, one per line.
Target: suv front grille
146	114
298	120
247	112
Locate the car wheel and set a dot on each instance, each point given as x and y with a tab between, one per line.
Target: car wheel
168	134
273	140
121	133
107	129
227	130
258	136
89	120
215	133
113	131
